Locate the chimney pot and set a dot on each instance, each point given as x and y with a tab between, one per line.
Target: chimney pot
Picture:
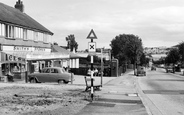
19	5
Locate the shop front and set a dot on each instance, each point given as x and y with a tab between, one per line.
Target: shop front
12	65
36	62
18	60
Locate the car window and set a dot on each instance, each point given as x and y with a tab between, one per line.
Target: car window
54	71
47	71
43	71
62	70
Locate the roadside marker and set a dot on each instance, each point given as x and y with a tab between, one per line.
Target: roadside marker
92	49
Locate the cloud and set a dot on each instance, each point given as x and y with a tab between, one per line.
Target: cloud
157	22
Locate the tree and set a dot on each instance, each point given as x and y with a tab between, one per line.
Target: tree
134	49
127	48
72	44
172	57
144	60
118	46
181	50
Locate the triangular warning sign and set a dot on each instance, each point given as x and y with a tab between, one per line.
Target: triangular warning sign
92	35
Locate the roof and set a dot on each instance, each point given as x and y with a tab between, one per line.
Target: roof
56	48
14	16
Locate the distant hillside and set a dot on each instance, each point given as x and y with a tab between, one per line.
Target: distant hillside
156	50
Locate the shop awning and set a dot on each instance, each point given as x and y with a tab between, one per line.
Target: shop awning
34	55
58	49
22	62
47	56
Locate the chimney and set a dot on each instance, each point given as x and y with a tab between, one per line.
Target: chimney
19	6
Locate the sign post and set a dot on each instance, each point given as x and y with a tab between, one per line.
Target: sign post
92	49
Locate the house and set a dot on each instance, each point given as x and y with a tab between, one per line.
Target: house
25	44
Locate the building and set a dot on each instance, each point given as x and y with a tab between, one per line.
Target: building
25	44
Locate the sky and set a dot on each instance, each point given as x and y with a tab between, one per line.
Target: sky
156	22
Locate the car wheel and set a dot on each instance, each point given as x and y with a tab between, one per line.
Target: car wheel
66	82
62	82
33	80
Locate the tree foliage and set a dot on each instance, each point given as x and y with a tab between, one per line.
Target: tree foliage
127	48
144	60
173	56
181	50
71	43
134	49
160	61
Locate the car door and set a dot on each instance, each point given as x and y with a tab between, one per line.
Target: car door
55	74
44	75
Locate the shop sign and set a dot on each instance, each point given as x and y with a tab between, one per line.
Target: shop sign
39	49
20	48
12	58
16	48
25	49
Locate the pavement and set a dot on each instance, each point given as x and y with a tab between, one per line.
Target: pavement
119	96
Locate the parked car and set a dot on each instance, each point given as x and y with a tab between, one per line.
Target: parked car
153	68
178	68
141	71
51	74
169	69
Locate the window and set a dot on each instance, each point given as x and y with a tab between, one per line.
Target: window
9	31
54	71
35	36
25	34
45	38
3	29
30	35
62	70
0	29
47	71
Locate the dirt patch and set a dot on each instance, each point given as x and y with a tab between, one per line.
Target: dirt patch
44	100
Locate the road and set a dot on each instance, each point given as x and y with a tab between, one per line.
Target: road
164	90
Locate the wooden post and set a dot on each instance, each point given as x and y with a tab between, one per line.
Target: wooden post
92	89
101	67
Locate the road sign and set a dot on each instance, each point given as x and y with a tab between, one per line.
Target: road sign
91	47
92	35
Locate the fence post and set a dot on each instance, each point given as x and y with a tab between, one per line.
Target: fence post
71	78
26	76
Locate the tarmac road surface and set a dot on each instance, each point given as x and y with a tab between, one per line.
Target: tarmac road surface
165	91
